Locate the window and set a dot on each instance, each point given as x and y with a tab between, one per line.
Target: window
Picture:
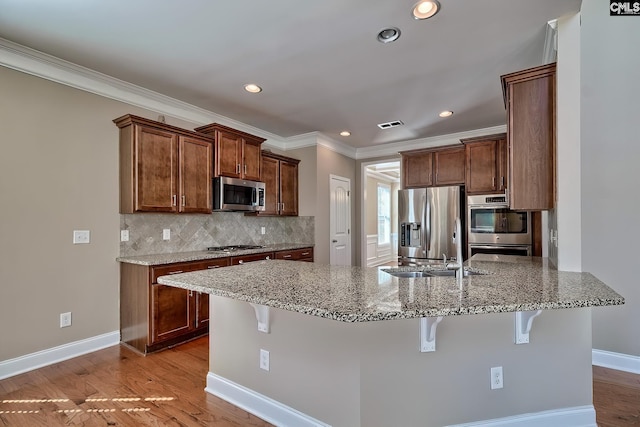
384	214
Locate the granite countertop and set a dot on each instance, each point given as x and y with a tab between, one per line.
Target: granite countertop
170	258
357	294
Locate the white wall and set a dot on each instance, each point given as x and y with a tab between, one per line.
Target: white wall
610	152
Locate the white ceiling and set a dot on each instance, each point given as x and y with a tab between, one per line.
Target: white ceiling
319	63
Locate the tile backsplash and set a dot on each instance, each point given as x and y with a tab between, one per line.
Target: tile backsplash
197	232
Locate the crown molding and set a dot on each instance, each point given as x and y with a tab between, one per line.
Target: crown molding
435	141
550	50
39	64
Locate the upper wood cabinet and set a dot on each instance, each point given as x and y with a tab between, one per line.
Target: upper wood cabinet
487	164
530	101
163	168
237	154
280	175
433	167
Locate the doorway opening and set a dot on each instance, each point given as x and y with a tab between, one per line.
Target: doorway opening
379	228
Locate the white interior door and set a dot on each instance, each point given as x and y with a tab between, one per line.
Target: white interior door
340	220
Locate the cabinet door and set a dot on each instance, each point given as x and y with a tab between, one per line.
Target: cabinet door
202	310
449	166
196	158
172	309
503	164
271	178
288	188
417	170
530	98
228	154
251	156
155	170
481	167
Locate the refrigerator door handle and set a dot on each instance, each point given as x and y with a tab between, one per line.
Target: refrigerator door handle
427	224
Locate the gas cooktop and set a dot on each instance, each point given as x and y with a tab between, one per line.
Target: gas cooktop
233	248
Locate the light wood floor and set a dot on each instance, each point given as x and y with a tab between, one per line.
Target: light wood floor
118	387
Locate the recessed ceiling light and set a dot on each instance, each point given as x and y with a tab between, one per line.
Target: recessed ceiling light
446	114
389	35
425	9
345	133
253	88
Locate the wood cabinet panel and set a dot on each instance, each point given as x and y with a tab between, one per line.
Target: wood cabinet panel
155	169
433	167
304	254
237	154
163	168
530	101
280	175
417	169
449	166
241	259
196	157
251	156
172	309
486	164
271	179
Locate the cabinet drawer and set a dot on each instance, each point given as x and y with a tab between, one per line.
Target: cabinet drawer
185	267
305	254
235	260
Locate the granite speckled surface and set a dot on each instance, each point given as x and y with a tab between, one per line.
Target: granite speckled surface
356	294
159	259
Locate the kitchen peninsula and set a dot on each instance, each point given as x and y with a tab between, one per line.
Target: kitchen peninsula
346	346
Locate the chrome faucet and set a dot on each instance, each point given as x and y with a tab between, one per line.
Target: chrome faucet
457	239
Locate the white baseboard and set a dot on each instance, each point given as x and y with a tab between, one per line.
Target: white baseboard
579	416
281	415
257	404
29	362
619	361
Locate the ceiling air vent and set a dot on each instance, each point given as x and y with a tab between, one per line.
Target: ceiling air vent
389	125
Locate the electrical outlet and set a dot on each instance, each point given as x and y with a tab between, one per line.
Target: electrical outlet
65	319
81	237
264	359
496	378
124	235
166	234
263	230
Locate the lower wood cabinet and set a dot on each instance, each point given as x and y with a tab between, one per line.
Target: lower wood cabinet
305	254
154	316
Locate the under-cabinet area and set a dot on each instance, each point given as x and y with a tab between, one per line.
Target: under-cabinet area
155	316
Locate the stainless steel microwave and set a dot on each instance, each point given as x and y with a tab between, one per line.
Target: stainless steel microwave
232	194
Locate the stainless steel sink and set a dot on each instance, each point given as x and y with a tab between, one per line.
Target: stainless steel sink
407	273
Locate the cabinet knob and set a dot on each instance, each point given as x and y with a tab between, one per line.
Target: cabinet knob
241	262
184	200
173	200
245	168
238	168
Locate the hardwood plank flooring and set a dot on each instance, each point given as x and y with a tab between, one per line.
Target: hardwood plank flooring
119	387
616	397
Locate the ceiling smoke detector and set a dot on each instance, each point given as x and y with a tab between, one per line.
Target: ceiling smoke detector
389	35
392	124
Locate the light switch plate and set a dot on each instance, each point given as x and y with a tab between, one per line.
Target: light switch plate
81	237
166	234
124	235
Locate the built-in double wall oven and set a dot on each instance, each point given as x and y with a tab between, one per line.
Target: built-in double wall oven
495	229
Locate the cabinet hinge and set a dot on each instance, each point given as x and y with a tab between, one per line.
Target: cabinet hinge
348	193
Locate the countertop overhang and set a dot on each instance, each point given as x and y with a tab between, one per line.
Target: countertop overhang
357	294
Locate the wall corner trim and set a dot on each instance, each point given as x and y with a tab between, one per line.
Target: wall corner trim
259	405
618	361
29	362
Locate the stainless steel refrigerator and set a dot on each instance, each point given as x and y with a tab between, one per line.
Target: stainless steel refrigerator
426	223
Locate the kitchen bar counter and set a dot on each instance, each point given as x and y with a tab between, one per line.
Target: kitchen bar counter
355	294
169	258
361	372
